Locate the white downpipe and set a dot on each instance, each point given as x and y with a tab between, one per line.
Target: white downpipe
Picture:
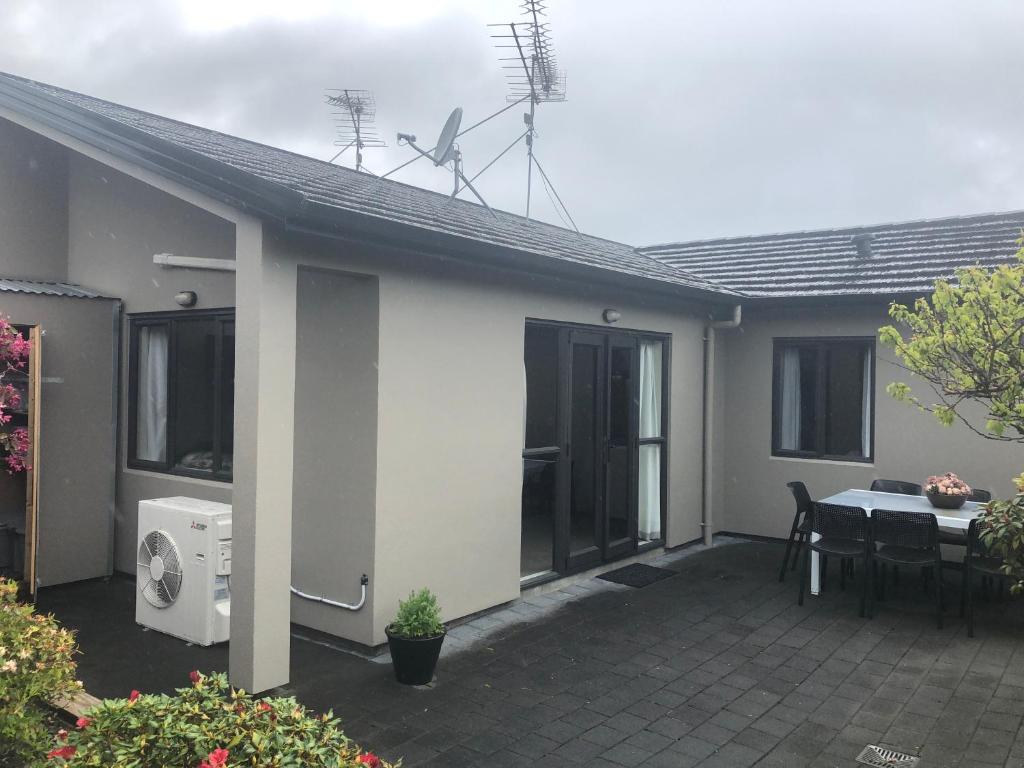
706	522
334	603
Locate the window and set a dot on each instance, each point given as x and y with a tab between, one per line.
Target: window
823	399
182	393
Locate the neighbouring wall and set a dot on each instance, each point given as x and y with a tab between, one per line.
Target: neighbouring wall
76	437
335	468
33	206
909	445
116	225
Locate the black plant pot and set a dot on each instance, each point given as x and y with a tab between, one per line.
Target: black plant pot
414	658
944	501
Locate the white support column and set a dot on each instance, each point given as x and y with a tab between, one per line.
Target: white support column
264	430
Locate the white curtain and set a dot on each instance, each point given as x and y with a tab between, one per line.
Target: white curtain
650	426
865	438
151	417
789	420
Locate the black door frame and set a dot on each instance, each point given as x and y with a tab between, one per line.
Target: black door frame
605	548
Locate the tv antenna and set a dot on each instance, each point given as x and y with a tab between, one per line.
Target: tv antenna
532	74
446	151
354	118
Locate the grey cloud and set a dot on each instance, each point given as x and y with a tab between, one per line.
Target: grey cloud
684	120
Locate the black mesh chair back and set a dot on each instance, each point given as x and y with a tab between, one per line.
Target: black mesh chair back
980	561
800	530
896	486
979	495
804	505
912	530
836	521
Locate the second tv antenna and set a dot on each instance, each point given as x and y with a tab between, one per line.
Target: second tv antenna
355	116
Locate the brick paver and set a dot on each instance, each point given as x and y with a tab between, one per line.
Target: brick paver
717	666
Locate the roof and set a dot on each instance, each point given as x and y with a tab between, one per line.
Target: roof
315	195
41	288
901	259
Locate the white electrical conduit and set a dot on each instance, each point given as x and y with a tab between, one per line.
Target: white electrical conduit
321	599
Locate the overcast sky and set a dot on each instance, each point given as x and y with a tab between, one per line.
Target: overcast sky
684	119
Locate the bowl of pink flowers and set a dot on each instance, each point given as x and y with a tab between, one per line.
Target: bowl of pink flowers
946	491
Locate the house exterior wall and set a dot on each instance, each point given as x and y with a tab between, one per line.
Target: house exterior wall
33	206
335	467
115	226
76	442
909	445
450	424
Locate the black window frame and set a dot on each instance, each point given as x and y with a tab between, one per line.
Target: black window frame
821	345
170	320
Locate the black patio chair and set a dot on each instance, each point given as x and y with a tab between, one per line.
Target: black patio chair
844	534
800	531
906	538
896	486
977	560
959	538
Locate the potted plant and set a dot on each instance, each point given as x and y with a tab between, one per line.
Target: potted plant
946	491
415	638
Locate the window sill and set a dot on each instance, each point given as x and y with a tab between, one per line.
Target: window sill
179	477
835	462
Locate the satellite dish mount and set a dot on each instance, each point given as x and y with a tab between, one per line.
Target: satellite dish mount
446	152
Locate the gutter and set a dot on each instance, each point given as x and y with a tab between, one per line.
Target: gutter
708	438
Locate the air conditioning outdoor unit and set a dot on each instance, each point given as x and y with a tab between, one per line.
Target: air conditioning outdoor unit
184	568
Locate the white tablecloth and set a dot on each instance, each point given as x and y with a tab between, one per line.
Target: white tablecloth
900	502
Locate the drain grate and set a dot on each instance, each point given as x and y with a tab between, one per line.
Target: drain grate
886	758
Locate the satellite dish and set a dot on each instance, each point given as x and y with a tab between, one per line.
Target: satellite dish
445	142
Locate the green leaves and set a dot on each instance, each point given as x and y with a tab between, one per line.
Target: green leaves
193	726
419	616
967	343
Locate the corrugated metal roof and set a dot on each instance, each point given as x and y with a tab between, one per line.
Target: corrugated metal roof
904	258
341	188
40	288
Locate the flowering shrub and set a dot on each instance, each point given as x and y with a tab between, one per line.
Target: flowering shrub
947	485
14	351
1002	533
207	725
36	667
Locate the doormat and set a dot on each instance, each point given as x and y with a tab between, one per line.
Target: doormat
637	575
881	757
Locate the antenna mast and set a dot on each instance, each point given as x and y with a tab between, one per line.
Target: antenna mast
355	121
532	71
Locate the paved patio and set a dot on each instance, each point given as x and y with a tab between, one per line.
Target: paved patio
716	666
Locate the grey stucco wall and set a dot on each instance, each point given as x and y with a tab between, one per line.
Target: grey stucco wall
335	468
33	206
76	440
909	445
116	224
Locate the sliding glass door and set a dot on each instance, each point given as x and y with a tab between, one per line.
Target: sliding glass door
593	451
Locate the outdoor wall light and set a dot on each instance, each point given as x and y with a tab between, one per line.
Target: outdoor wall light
186	298
611	315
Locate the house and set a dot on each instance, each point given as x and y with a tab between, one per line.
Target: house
385	381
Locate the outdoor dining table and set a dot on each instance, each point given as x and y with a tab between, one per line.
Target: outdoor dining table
871	500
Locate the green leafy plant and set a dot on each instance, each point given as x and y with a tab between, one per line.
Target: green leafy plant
36	667
208	725
1002	533
419	616
967	343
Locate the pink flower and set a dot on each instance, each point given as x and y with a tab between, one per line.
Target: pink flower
194	676
62	735
369	759
83	722
64	753
133	695
216	759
